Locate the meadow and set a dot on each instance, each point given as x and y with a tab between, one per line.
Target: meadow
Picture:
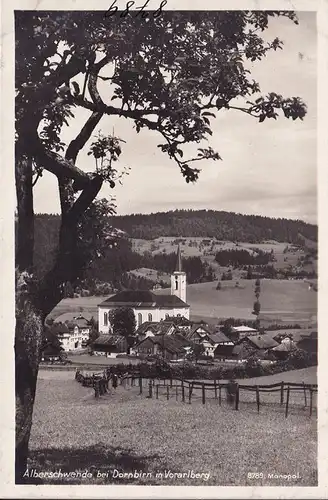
282	301
124	431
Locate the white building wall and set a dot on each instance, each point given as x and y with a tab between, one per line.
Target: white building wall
157	314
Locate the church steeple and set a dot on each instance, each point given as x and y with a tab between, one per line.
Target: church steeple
178	279
178	265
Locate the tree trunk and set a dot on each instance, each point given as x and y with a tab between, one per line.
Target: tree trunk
28	337
25	225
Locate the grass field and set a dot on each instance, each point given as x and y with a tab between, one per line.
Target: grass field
282	301
194	247
126	432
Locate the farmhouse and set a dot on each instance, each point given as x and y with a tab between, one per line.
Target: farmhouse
215	343
152	328
109	345
71	338
78	327
148	306
251	345
171	347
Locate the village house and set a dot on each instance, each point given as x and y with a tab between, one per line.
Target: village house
79	329
152	328
170	347
109	346
147	305
214	342
254	345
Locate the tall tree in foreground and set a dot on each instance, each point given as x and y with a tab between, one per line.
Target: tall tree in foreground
172	75
123	322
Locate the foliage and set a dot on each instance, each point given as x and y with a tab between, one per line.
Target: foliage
50	342
123	321
241	258
214	224
94	330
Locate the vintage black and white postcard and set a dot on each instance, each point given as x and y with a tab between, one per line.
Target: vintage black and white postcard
164	182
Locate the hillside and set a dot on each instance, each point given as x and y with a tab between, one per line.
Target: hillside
231	232
215	224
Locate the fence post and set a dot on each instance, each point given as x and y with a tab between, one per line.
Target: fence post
215	390
305	398
282	393
287	401
190	392
311	401
156	391
220	398
203	394
237	396
182	390
167	392
150	389
258	399
176	392
171	382
96	390
140	385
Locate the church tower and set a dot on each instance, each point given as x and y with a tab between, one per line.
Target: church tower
178	279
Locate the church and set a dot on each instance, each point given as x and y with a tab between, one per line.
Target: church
147	305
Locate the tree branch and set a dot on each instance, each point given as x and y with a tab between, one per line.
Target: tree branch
84	135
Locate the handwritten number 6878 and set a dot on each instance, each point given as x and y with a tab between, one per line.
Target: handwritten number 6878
140	10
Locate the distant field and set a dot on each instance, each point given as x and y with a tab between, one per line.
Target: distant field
281	300
285	301
195	247
124	431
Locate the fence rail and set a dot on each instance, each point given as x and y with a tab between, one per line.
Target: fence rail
186	388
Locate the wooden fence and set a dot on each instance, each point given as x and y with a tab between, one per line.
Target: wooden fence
185	389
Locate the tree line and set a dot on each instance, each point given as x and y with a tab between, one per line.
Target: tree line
215	224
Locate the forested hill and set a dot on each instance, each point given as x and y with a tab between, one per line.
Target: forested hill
214	224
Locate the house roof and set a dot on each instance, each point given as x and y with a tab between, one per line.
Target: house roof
178	320
172	343
143	298
219	338
162	327
59	328
262	341
285	347
108	340
73	316
243	329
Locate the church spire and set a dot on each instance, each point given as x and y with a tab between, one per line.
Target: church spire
178	265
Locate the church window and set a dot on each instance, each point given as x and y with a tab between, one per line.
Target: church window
139	319
150	317
176	283
166	316
105	319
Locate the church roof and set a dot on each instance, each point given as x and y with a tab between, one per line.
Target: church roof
143	298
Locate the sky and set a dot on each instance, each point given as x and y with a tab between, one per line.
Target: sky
267	168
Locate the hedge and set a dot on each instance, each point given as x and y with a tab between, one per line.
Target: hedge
252	368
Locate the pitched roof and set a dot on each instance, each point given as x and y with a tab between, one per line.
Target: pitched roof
59	328
108	340
72	316
262	341
162	327
143	298
172	343
178	320
219	338
243	329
